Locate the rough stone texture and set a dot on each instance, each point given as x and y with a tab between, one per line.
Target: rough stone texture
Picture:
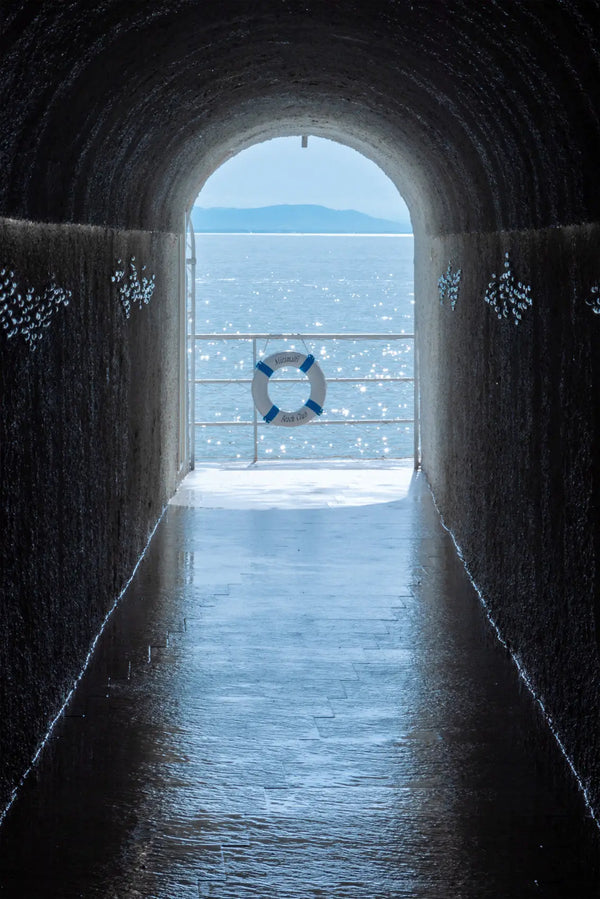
88	443
511	447
485	115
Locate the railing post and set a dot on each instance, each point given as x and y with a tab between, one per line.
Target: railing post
417	412
191	325
254	418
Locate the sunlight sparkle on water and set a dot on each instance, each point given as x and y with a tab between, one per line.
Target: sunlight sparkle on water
301	285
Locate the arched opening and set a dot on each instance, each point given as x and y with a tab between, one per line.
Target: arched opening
302	237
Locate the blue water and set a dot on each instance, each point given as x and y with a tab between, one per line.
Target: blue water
303	284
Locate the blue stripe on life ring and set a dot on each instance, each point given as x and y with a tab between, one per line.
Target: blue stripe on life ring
307	363
271	414
314	407
266	370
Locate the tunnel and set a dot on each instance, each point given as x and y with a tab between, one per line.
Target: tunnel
485	116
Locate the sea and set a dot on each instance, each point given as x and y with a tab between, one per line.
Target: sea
309	286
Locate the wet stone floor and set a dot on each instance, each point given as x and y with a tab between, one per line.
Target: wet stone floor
300	696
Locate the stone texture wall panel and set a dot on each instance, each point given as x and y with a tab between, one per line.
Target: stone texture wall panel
88	444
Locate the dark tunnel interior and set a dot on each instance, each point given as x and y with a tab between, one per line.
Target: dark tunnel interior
487	118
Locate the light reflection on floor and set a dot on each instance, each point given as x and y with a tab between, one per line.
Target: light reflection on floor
295	702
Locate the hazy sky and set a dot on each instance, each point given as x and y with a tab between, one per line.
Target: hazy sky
325	173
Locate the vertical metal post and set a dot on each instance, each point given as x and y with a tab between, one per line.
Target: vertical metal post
182	452
191	326
255	418
417	412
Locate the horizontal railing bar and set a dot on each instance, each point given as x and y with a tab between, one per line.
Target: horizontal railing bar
315	421
297	380
337	458
296	339
379	336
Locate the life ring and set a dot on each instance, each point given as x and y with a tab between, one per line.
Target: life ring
260	389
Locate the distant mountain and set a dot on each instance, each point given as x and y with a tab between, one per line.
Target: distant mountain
292	219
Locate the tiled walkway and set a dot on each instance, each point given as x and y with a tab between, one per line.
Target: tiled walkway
300	696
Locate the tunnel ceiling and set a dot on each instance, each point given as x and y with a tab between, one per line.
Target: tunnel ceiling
115	114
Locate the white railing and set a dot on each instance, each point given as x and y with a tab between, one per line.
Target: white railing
255	423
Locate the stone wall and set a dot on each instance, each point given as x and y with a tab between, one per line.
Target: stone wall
88	443
511	443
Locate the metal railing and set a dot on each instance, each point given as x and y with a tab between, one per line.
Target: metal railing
187	335
255	423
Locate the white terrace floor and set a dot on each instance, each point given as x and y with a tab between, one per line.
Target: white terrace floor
294	485
300	696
